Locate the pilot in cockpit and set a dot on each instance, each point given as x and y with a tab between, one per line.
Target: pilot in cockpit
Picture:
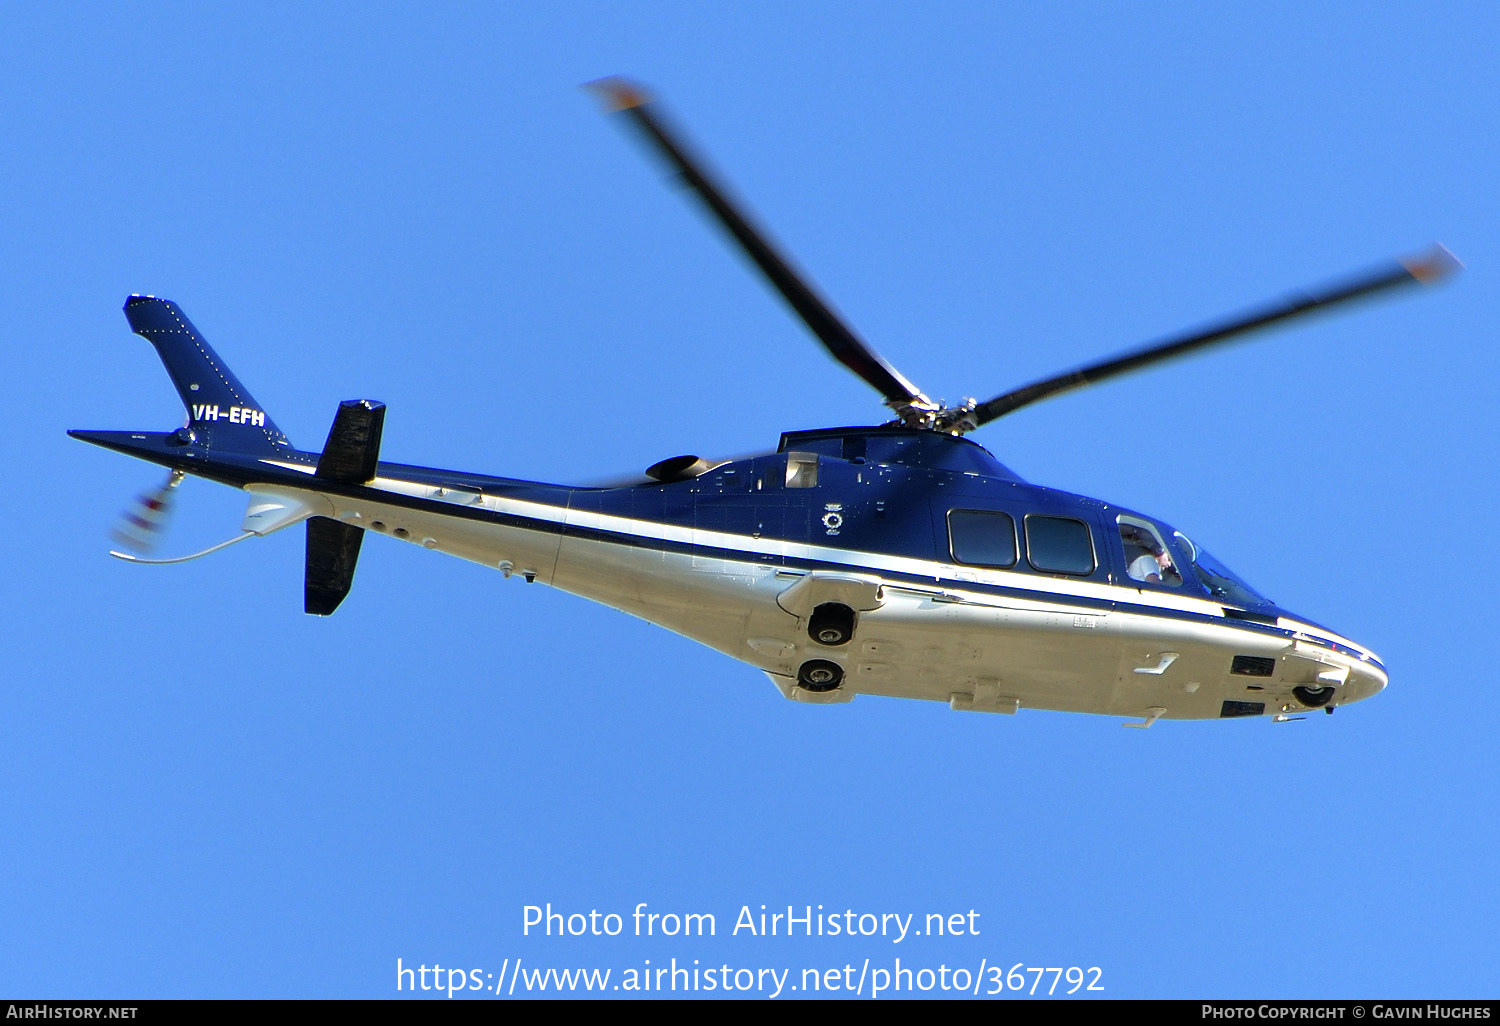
1146	560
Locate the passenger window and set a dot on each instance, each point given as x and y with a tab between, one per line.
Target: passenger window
1147	559
802	470
982	538
1059	545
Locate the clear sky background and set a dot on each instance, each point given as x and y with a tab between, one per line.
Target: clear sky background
204	792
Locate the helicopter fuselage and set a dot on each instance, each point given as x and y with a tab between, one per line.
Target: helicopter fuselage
873	530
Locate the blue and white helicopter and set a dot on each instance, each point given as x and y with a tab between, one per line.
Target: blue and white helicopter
900	560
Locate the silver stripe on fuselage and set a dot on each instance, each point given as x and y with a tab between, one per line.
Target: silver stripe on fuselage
944	575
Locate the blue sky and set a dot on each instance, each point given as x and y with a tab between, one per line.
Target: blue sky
204	792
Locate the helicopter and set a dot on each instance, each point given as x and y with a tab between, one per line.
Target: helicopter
900	559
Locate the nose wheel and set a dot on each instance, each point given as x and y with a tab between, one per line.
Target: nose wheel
1314	698
819	675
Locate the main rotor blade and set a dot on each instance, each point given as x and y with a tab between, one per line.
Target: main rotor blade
794	287
1428	268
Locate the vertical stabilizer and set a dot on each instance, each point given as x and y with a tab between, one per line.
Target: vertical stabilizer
222	414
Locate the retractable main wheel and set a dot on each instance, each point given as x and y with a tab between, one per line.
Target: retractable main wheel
831	624
818	675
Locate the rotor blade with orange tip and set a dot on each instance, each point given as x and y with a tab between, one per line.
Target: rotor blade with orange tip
1426	269
836	336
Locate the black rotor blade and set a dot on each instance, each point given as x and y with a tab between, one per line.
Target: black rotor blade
1428	268
815	312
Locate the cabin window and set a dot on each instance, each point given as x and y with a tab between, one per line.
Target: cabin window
1147	559
1059	545
802	470
982	538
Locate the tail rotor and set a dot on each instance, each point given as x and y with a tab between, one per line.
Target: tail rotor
144	521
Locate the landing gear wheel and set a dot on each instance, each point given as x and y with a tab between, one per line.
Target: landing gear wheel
831	624
1313	698
819	675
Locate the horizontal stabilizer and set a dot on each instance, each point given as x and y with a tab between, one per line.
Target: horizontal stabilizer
353	448
332	551
349	457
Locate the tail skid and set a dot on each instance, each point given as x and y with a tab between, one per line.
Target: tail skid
127	557
270	510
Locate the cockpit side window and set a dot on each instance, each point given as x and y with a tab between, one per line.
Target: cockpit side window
1147	559
982	538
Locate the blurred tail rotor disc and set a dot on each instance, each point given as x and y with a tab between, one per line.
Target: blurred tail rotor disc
144	521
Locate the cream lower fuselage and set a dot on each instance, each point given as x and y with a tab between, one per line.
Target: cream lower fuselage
981	639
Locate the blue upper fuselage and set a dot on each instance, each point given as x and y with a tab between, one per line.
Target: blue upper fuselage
893	490
890	490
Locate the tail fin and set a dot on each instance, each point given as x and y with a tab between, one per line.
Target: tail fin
351	456
222	414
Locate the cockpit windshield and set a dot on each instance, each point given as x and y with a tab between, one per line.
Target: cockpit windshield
1220	581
